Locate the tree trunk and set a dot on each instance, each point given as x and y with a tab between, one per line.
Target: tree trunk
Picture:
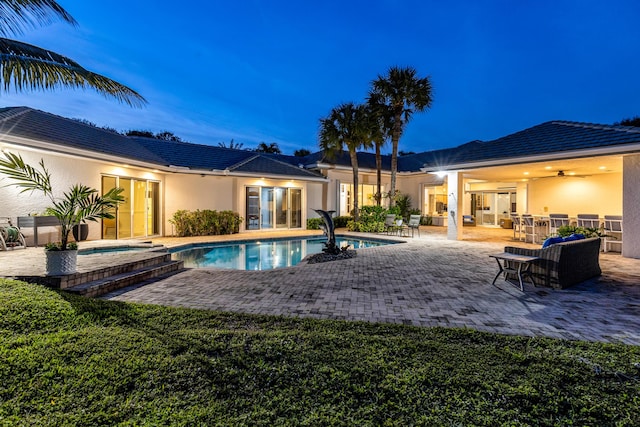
395	137
378	175
354	165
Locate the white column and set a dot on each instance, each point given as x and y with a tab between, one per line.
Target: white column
630	204
454	204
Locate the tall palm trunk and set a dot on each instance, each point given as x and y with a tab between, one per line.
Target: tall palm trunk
356	184
395	138
378	175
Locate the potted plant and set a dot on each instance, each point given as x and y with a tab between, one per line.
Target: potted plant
79	204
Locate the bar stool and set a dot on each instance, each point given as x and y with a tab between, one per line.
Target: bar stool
556	221
613	231
529	227
541	228
517	226
589	220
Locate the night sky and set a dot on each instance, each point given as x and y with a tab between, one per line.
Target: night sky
267	71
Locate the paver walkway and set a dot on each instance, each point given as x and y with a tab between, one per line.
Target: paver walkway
428	281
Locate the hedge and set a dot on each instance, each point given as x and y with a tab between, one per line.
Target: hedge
205	222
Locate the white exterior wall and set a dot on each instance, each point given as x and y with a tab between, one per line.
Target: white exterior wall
315	199
65	171
192	192
597	194
630	211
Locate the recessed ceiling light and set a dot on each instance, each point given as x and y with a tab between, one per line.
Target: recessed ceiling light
572	173
526	173
547	167
602	168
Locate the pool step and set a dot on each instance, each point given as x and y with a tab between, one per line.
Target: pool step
108	284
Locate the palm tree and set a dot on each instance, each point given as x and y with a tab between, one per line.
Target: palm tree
271	148
347	125
380	130
403	92
24	66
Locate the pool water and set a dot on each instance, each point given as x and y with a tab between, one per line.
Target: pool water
264	254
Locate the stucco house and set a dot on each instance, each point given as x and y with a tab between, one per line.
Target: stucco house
554	167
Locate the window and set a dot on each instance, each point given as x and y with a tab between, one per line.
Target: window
366	194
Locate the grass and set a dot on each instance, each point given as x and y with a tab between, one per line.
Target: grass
66	360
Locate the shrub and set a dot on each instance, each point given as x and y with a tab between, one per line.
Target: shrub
205	223
567	230
426	220
314	223
403	203
341	221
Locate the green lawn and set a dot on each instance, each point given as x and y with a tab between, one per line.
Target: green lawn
66	360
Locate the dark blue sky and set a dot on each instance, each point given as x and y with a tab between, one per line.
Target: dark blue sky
269	70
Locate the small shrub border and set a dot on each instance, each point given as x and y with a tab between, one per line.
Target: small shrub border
205	222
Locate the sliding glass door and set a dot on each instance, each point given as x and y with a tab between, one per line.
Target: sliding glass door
490	207
139	214
273	208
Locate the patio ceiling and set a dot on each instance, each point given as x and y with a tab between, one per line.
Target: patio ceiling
547	169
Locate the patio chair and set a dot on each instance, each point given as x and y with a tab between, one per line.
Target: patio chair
613	231
414	224
389	223
10	237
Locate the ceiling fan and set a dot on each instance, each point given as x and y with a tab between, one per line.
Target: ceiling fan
561	174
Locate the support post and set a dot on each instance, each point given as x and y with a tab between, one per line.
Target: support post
454	205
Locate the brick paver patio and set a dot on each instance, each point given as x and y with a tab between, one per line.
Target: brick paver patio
428	281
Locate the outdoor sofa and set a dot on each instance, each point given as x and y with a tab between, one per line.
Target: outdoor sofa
563	264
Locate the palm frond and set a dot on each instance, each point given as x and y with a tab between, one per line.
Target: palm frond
24	66
17	16
25	176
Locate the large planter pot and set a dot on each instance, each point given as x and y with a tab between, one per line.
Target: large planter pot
61	262
80	232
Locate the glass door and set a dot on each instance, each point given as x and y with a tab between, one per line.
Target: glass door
281	207
266	208
490	207
109	225
153	208
253	208
139	214
124	210
273	207
295	208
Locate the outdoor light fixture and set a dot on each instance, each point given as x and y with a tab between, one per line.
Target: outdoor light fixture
441	174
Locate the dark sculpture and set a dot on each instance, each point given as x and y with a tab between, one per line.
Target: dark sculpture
329	230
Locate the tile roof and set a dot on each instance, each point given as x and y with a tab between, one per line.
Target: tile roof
549	138
41	126
37	125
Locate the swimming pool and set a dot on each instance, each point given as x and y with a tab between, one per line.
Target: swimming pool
263	254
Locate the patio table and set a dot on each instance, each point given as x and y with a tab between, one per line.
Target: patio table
515	264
